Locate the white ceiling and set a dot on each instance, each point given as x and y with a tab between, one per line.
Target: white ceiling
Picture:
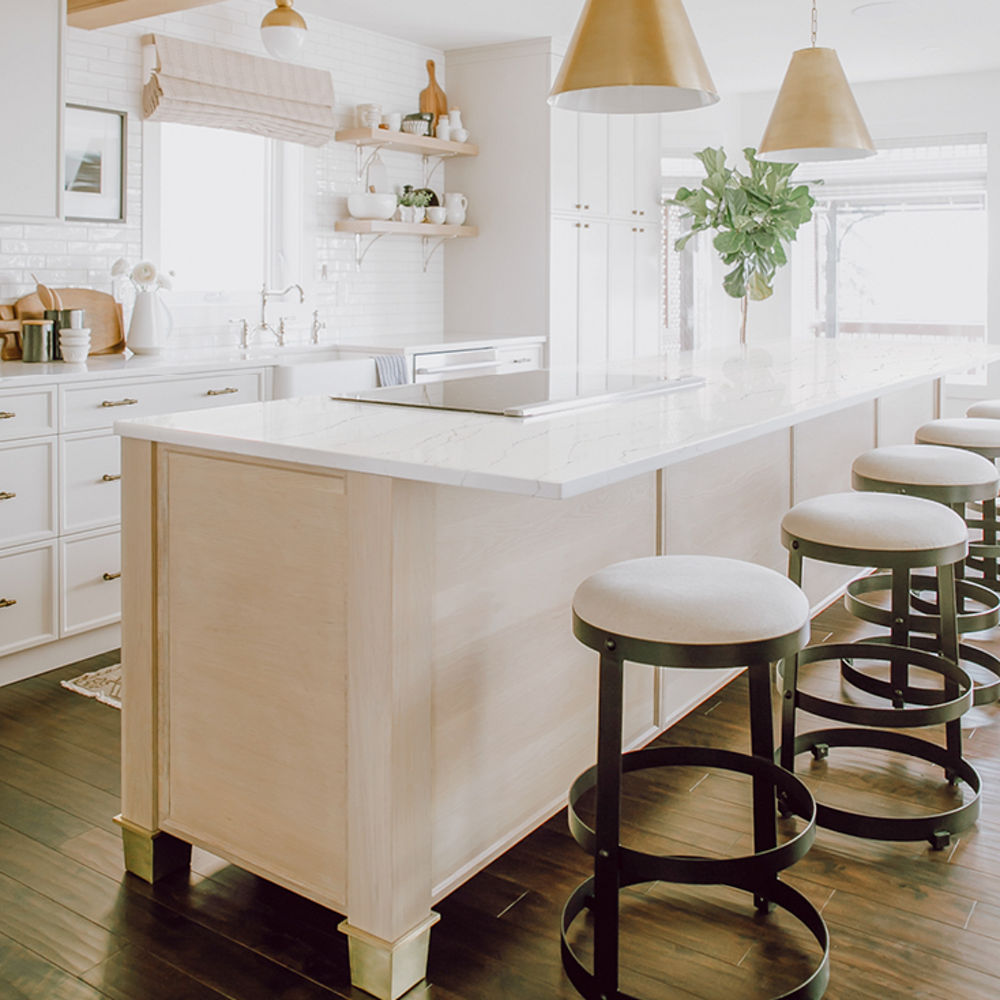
886	39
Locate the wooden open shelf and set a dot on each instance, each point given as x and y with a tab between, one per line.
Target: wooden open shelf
377	226
406	143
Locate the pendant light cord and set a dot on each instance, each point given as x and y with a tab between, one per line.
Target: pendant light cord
815	22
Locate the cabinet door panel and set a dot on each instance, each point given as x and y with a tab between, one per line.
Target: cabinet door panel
621	160
31	109
27	492
647	289
91	581
621	291
27	597
91	470
593	295
593	161
565	159
563	304
647	169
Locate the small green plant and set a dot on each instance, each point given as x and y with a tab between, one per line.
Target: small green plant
408	198
755	217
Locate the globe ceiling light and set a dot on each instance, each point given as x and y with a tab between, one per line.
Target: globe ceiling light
815	116
283	30
632	57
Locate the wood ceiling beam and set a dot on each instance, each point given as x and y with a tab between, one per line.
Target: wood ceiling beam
102	13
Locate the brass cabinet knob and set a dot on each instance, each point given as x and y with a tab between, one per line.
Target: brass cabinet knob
119	402
110	477
111	576
6	602
7	415
5	495
228	391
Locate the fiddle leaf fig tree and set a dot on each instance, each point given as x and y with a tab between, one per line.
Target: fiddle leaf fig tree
755	218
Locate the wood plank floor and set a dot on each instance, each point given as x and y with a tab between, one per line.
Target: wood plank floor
906	922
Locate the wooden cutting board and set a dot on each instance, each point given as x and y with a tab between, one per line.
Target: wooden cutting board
100	312
432	99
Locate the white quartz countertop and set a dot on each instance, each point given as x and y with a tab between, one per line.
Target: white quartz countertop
566	454
409	344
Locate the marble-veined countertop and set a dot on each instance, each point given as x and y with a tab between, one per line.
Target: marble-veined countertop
745	394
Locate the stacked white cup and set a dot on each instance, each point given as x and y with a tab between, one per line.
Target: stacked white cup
74	344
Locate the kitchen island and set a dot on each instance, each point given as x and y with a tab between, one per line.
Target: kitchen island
347	650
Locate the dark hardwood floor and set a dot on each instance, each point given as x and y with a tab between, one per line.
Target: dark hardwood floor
906	922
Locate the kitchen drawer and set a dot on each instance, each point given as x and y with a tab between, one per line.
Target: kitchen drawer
28	500
443	365
28	608
27	413
95	407
515	359
90	469
91	584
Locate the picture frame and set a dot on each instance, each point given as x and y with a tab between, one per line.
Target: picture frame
94	155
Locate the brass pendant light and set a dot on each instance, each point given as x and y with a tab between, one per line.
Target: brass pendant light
633	57
815	116
283	30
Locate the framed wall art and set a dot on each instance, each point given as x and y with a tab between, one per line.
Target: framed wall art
94	151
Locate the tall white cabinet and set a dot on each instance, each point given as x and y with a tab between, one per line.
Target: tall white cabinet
31	40
568	211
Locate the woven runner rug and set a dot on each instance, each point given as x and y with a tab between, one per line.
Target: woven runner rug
105	685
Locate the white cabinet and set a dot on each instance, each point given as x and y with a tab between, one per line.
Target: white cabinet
90	473
27	491
28	614
31	39
90	584
27	413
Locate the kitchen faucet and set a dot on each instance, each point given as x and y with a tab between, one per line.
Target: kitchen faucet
263	326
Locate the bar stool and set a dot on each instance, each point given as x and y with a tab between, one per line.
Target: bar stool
900	533
980	435
702	612
955	478
989	408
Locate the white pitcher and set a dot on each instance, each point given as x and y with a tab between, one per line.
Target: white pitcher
146	334
456	206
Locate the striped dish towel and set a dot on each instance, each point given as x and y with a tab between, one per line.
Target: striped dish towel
392	369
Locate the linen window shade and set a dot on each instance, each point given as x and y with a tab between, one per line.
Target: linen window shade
197	84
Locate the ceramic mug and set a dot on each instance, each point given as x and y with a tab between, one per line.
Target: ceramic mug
437	214
456	206
393	121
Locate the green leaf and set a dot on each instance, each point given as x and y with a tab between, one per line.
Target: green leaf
729	242
734	283
758	288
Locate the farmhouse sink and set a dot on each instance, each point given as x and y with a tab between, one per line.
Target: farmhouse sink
306	376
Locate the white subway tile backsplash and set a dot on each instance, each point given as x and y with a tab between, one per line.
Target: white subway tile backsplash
391	294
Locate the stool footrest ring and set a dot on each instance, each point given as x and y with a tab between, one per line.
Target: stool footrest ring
891	827
983	694
944	709
789	899
639	866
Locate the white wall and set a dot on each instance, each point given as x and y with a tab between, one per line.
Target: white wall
391	294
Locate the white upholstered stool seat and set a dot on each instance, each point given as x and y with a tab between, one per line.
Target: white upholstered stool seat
949	475
692	601
910	529
978	434
989	408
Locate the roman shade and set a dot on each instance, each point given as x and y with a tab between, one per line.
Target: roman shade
203	85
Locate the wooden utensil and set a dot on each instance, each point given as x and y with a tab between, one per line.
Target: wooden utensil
432	98
102	314
44	294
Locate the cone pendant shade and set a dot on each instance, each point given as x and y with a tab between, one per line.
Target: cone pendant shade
815	116
632	57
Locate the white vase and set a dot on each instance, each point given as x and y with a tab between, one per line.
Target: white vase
150	326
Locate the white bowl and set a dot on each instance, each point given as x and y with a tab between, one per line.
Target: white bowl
371	206
75	354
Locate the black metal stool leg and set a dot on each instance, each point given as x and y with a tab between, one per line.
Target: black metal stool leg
606	867
899	675
765	830
948	644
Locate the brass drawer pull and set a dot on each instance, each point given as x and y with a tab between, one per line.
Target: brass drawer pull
108	478
228	391
7	415
120	402
6	602
7	496
111	576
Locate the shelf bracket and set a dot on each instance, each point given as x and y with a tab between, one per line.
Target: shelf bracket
361	250
426	241
428	169
362	162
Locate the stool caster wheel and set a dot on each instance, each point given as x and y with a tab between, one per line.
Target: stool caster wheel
762	904
897	699
785	810
820	751
939	840
951	777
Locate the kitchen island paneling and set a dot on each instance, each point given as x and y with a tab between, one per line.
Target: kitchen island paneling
420	618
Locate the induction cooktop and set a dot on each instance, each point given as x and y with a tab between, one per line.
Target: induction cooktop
525	394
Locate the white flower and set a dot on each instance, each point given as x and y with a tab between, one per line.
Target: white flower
163	281
144	273
119	268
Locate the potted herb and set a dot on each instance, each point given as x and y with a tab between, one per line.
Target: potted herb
755	217
412	203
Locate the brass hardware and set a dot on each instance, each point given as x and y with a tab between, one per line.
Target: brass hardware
109	478
586	208
635	211
228	391
586	225
578	224
6	602
7	496
111	576
7	415
576	206
641	230
120	402
635	229
642	213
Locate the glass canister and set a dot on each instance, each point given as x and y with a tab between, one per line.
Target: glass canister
36	340
54	315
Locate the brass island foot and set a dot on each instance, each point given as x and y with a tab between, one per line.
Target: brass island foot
152	855
387	969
